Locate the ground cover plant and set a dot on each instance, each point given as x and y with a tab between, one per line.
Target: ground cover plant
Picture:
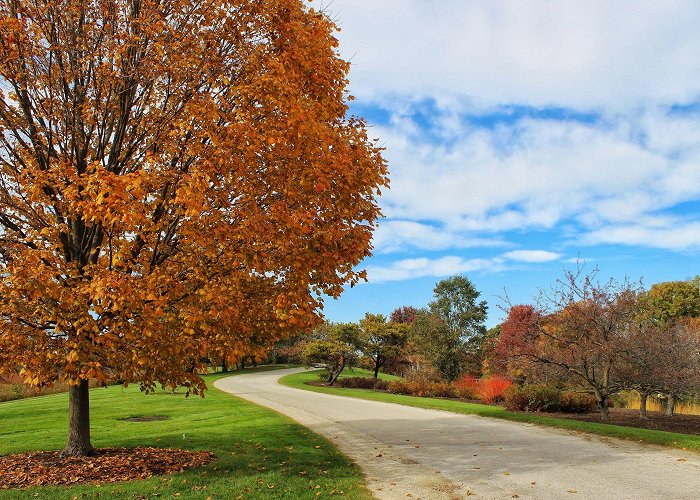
576	422
258	453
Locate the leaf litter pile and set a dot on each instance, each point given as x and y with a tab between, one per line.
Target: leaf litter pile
108	465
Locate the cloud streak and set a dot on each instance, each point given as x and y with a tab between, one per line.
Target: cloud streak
407	269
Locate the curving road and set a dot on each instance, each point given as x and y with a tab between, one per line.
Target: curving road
414	453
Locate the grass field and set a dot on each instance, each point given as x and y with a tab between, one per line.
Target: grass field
359	372
683	441
259	453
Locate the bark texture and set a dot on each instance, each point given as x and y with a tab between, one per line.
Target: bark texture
79	421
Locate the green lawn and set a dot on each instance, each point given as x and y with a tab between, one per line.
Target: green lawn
683	441
259	453
361	372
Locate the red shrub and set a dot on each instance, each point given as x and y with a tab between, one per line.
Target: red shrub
492	389
467	387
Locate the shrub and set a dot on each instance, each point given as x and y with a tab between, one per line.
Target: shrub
572	402
362	383
441	390
546	398
467	387
516	399
492	389
381	385
399	387
621	400
534	397
422	389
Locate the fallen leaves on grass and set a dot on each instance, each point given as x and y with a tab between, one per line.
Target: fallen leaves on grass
108	465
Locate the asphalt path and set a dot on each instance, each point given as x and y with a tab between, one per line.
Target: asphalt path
410	452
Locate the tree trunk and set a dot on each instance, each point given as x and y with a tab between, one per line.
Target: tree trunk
224	365
603	405
376	371
643	405
78	421
333	375
670	405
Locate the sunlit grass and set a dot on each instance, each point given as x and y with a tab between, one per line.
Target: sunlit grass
259	453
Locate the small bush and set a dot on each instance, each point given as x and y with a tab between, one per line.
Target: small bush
493	389
400	387
572	402
621	400
467	387
533	397
516	399
546	398
381	385
362	383
422	389
441	390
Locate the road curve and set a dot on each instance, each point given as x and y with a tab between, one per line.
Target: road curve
410	452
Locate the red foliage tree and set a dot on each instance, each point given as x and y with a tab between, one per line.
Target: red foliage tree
403	314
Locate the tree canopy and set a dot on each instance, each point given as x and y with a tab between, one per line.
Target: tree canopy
443	331
381	340
668	301
176	177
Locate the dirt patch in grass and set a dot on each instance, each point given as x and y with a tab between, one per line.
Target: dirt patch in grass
683	424
108	465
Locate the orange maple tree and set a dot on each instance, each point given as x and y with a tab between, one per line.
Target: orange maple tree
177	178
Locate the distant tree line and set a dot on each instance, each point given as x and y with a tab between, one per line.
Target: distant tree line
581	336
606	337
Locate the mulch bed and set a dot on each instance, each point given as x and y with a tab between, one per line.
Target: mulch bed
108	465
684	424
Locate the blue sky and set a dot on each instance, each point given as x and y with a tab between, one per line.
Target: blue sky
522	135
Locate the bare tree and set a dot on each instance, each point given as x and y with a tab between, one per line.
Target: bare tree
578	326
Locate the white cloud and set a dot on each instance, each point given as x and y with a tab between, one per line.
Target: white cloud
677	236
398	235
550	171
579	53
458	182
406	269
532	256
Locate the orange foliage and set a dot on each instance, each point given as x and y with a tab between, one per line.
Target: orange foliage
492	389
467	386
488	389
179	179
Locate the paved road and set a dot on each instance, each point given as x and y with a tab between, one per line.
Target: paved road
414	453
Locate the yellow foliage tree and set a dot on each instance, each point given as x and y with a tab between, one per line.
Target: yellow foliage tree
176	176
